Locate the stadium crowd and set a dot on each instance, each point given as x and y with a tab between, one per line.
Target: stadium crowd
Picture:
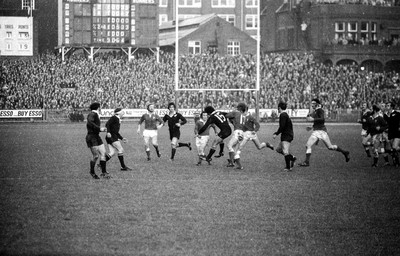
386	3
115	82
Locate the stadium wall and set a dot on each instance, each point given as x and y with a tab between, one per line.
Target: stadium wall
79	115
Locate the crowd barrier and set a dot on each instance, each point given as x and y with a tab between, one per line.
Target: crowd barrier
79	115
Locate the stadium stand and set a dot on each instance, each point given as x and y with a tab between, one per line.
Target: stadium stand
112	80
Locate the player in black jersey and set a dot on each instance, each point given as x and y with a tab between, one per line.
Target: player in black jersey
393	120
218	118
386	145
175	120
287	135
114	138
377	125
365	137
94	142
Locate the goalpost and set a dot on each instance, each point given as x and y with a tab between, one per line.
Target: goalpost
256	90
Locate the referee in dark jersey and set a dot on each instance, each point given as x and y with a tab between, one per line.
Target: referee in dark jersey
287	135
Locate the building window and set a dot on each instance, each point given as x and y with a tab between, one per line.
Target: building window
8	46
339	31
9	34
194	47
28	4
162	18
228	17
223	3
251	21
163	3
352	29
373	31
251	3
233	48
364	30
189	3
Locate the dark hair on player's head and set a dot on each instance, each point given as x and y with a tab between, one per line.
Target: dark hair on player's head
392	104
148	105
241	107
117	110
316	101
376	108
94	106
282	105
209	110
171	104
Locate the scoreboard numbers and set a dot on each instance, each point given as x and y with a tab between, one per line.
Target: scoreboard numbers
110	23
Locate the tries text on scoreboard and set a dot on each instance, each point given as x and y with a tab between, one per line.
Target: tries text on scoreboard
110	23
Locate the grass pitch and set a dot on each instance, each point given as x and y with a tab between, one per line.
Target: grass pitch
51	206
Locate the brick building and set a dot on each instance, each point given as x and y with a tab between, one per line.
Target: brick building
366	33
241	13
207	33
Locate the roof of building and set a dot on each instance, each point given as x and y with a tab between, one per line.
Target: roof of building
167	36
188	22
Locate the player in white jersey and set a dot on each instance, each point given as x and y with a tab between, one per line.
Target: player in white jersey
203	138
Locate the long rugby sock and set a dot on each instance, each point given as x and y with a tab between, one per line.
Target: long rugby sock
231	156
395	157
238	163
308	155
121	161
157	151
221	148
386	158
173	151
92	165
367	151
211	153
341	150
376	160
183	144
287	161
103	166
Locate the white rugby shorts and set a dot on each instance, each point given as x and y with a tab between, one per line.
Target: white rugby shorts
150	133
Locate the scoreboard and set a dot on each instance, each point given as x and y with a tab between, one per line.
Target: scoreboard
109	23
